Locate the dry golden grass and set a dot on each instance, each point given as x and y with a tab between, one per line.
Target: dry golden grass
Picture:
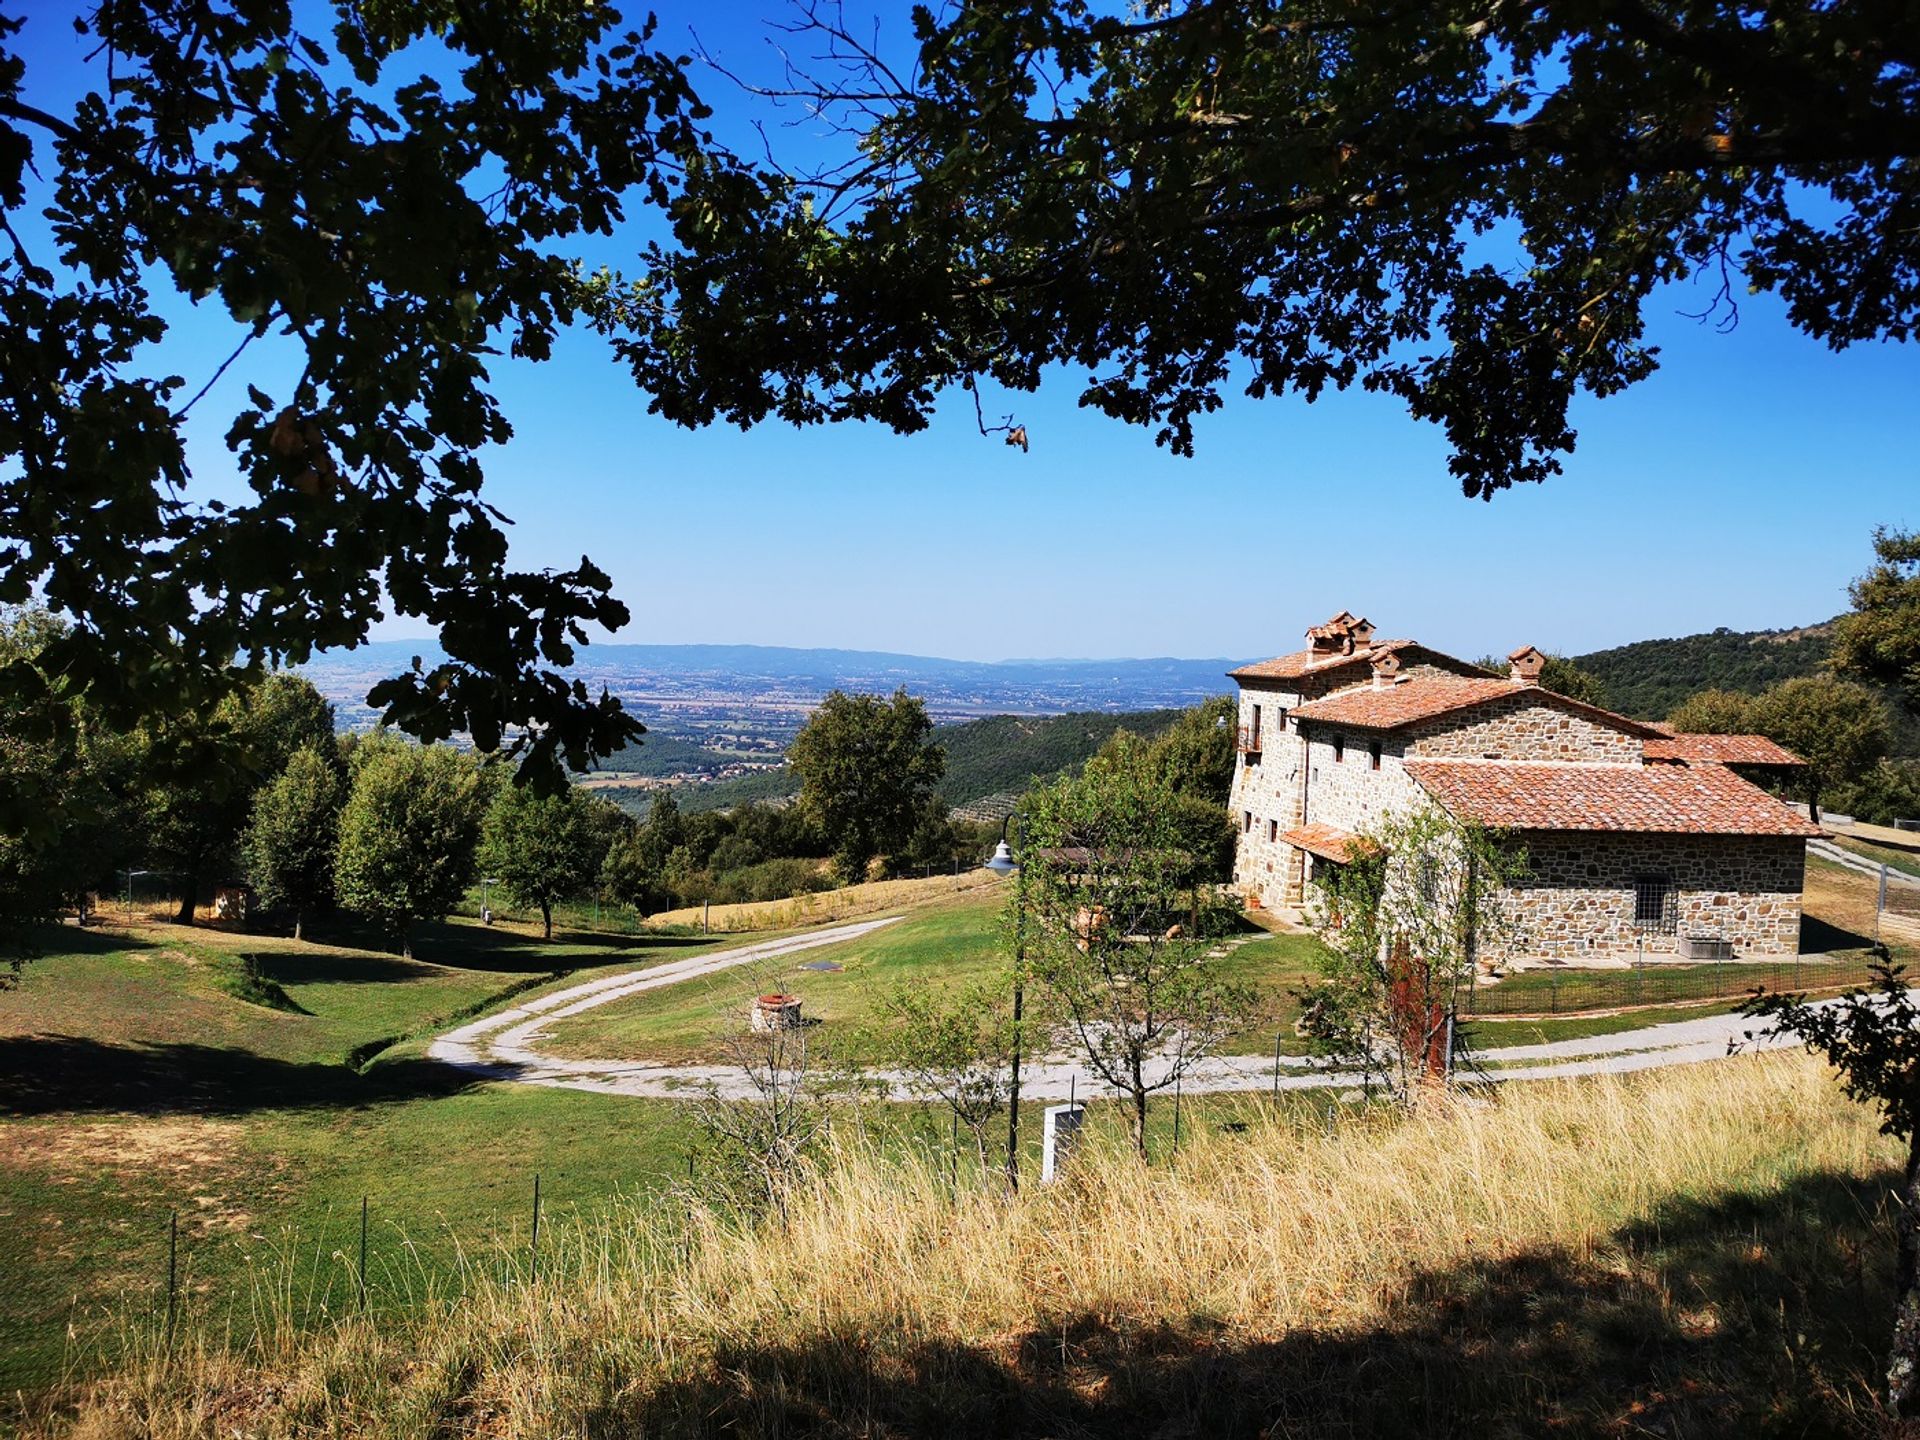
829	907
1687	1253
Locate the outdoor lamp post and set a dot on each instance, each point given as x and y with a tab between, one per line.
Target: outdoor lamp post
486	911
1003	863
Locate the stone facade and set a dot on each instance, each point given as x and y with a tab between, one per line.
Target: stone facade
1587	896
1534	724
1591	895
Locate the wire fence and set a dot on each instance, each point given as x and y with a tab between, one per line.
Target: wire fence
1553	990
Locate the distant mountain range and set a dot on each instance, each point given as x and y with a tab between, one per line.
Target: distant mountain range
675	677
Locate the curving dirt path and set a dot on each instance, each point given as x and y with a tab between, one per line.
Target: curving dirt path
505	1044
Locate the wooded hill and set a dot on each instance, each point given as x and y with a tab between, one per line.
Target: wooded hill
1648	678
997	755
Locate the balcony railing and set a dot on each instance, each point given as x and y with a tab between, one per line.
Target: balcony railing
1249	740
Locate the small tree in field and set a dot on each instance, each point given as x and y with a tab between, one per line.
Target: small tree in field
1403	923
292	837
956	1044
1872	1037
1122	931
543	848
765	1131
407	834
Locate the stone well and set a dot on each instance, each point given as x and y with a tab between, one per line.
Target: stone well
773	1013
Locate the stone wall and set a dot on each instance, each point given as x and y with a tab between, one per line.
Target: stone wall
1527	726
1578	901
1266	800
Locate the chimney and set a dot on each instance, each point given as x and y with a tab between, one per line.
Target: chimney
1362	632
1525	665
1335	637
1386	669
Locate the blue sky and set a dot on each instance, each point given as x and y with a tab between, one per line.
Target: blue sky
1738	487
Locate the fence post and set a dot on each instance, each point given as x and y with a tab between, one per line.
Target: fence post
533	1246
1553	992
173	1268
1176	1115
363	1254
1278	1036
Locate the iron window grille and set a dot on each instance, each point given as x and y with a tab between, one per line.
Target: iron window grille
1655	911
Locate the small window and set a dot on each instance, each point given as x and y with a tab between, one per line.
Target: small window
1273	831
1255	736
1426	878
1653	905
1339	748
1246	820
1373	755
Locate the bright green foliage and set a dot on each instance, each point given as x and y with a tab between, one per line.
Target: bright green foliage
408	833
1889	791
379	197
1563	677
1191	764
956	1043
866	767
198	775
542	848
1714	712
1195	755
1879	639
1839	728
1404	924
291	840
1122	932
75	776
1464	206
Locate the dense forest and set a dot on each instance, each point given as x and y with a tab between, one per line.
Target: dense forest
1650	677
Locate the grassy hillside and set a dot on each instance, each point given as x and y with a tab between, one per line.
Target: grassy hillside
1601	1257
1650	677
145	1071
998	755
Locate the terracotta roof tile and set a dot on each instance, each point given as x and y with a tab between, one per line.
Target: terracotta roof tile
1722	750
1424	697
1329	842
1643	799
1310	662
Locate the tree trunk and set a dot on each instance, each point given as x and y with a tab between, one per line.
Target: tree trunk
183	915
546	917
1139	1108
1903	1361
299	924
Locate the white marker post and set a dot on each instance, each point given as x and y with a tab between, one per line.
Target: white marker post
1062	1132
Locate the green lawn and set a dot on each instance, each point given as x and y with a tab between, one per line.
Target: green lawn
1549	992
1907	861
943	944
263	1088
135	1081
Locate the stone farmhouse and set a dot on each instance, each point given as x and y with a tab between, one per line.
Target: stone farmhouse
1638	840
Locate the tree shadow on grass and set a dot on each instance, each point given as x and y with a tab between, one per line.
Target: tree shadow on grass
336	967
70	1074
478	947
1754	1315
